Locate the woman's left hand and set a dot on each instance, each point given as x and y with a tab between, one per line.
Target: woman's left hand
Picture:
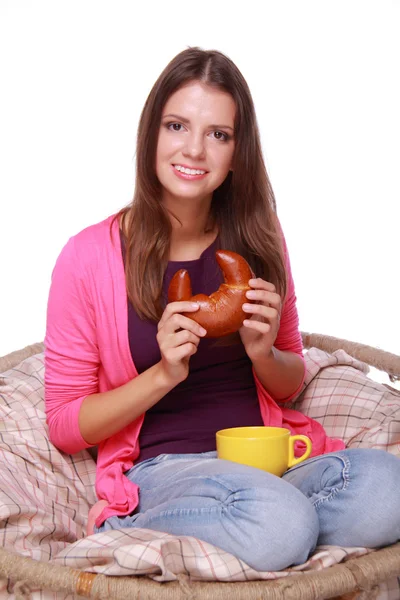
259	331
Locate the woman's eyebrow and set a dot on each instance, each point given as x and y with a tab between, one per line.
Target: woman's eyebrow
188	121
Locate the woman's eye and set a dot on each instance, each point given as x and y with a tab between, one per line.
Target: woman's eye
219	135
174	126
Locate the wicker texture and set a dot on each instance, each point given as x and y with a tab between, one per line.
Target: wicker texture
375	357
362	573
14	358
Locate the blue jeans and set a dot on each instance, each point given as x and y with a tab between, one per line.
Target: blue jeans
347	498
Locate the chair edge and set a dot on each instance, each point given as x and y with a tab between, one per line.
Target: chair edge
375	357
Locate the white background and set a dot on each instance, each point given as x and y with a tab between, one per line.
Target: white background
325	82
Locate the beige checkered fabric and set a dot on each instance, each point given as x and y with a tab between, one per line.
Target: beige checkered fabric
45	495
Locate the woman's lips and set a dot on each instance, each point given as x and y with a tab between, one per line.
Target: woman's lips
186	176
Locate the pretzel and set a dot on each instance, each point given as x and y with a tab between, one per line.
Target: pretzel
220	313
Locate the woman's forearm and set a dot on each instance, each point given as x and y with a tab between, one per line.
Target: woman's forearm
281	373
104	414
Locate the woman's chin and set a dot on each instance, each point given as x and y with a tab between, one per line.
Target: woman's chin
183	194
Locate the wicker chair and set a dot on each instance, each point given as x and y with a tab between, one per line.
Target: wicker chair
356	578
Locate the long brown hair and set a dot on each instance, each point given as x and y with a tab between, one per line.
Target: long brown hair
243	207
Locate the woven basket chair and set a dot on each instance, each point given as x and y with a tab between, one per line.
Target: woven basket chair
355	579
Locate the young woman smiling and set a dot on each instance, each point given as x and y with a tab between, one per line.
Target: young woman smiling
128	372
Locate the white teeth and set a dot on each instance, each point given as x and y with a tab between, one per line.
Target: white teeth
189	171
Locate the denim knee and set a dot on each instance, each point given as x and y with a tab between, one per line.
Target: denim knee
373	509
283	533
355	494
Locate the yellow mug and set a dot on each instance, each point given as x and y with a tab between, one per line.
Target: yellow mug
268	448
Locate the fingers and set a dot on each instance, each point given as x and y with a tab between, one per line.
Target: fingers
182	337
266	306
178	336
175	355
259	326
265	312
262	284
178	321
175	308
266	297
179	345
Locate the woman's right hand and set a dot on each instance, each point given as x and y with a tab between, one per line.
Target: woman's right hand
178	338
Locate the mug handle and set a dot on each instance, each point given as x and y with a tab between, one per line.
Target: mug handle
295	461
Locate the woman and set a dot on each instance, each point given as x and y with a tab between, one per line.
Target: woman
128	372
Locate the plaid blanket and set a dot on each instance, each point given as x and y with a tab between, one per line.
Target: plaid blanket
45	495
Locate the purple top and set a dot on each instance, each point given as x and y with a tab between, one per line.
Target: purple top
219	391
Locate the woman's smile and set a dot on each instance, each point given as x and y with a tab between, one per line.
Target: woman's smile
189	174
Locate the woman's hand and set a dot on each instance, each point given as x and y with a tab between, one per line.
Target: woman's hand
178	338
259	331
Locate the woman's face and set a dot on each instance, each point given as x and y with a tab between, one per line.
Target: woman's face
196	133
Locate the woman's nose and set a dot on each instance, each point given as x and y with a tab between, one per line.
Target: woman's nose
194	146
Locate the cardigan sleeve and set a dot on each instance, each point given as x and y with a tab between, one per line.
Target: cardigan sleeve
289	336
71	352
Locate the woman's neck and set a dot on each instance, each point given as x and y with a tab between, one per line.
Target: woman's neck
190	244
192	231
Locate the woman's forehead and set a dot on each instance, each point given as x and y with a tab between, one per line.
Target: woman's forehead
198	100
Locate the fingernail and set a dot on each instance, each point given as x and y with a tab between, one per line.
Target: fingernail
246	306
203	331
195	305
251	294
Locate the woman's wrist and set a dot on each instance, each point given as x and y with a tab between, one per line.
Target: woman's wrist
163	379
266	361
280	372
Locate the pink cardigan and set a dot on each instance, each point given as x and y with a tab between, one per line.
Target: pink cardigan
87	351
